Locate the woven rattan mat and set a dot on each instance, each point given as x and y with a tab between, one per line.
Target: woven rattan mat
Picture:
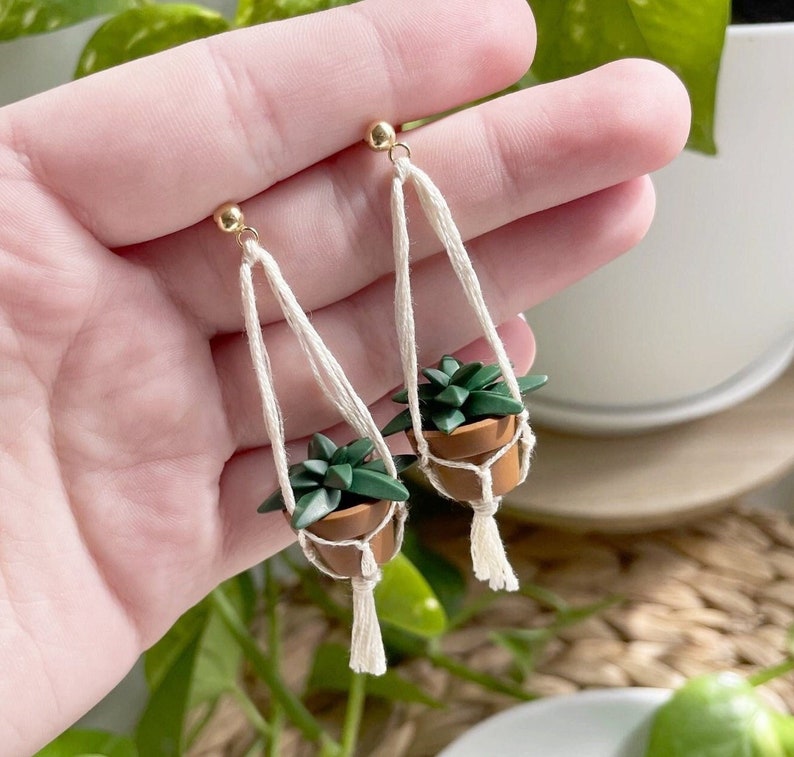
714	595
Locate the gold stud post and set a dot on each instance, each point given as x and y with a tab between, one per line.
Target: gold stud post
381	136
229	218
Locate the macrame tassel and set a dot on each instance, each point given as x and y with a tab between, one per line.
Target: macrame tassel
367	654
488	556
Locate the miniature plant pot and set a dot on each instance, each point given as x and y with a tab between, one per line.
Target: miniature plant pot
475	443
354	523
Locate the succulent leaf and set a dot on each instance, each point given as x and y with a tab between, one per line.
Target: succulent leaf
486	375
375	485
434	376
401	462
491	403
530	383
400	422
449	365
401	396
304	480
315	506
321	448
448	419
454	396
464	373
316	467
273	503
358	451
339	476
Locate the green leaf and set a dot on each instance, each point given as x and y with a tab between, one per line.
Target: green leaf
316	467
525	646
304	480
374	485
161	730
76	742
454	396
448	419
401	396
400	422
339	476
486	375
251	12
577	35
273	503
449	365
445	579
405	600
491	403
715	715
314	506
331	672
436	377
401	462
21	17
321	448
143	31
425	392
530	383
354	453
464	373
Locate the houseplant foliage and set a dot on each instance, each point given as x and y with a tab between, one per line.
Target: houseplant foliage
573	35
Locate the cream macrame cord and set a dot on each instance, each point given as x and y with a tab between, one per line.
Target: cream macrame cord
367	654
489	560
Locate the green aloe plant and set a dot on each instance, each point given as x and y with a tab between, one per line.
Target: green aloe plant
458	393
335	478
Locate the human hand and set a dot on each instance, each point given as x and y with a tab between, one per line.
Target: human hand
133	455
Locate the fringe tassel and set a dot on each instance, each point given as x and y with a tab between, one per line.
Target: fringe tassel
367	654
488	556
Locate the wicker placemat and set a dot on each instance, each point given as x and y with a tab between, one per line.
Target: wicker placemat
714	595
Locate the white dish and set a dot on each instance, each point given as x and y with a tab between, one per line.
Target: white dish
598	723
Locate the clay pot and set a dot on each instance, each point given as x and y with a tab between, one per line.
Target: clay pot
475	443
353	523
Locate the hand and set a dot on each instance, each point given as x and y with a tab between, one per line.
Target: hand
132	454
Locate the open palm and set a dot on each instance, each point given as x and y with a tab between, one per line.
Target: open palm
132	455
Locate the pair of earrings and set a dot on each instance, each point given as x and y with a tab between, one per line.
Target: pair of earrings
467	424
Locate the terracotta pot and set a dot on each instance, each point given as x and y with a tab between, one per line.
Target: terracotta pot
353	523
475	443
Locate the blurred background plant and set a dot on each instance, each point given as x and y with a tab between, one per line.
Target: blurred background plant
572	36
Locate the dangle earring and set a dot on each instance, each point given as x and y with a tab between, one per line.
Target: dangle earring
345	503
467	423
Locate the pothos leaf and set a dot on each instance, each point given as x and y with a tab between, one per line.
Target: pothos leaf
251	12
76	741
201	650
138	32
21	17
405	600
577	35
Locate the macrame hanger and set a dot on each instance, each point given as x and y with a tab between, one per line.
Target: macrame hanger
367	654
489	559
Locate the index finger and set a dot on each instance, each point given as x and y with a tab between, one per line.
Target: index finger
154	146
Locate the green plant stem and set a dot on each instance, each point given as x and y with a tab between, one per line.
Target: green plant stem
294	709
256	748
768	674
353	712
251	711
277	715
451	665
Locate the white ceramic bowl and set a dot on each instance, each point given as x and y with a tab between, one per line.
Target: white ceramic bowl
598	723
701	314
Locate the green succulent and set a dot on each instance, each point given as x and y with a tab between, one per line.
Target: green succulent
457	393
335	478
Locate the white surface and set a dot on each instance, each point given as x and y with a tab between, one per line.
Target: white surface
599	723
710	290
